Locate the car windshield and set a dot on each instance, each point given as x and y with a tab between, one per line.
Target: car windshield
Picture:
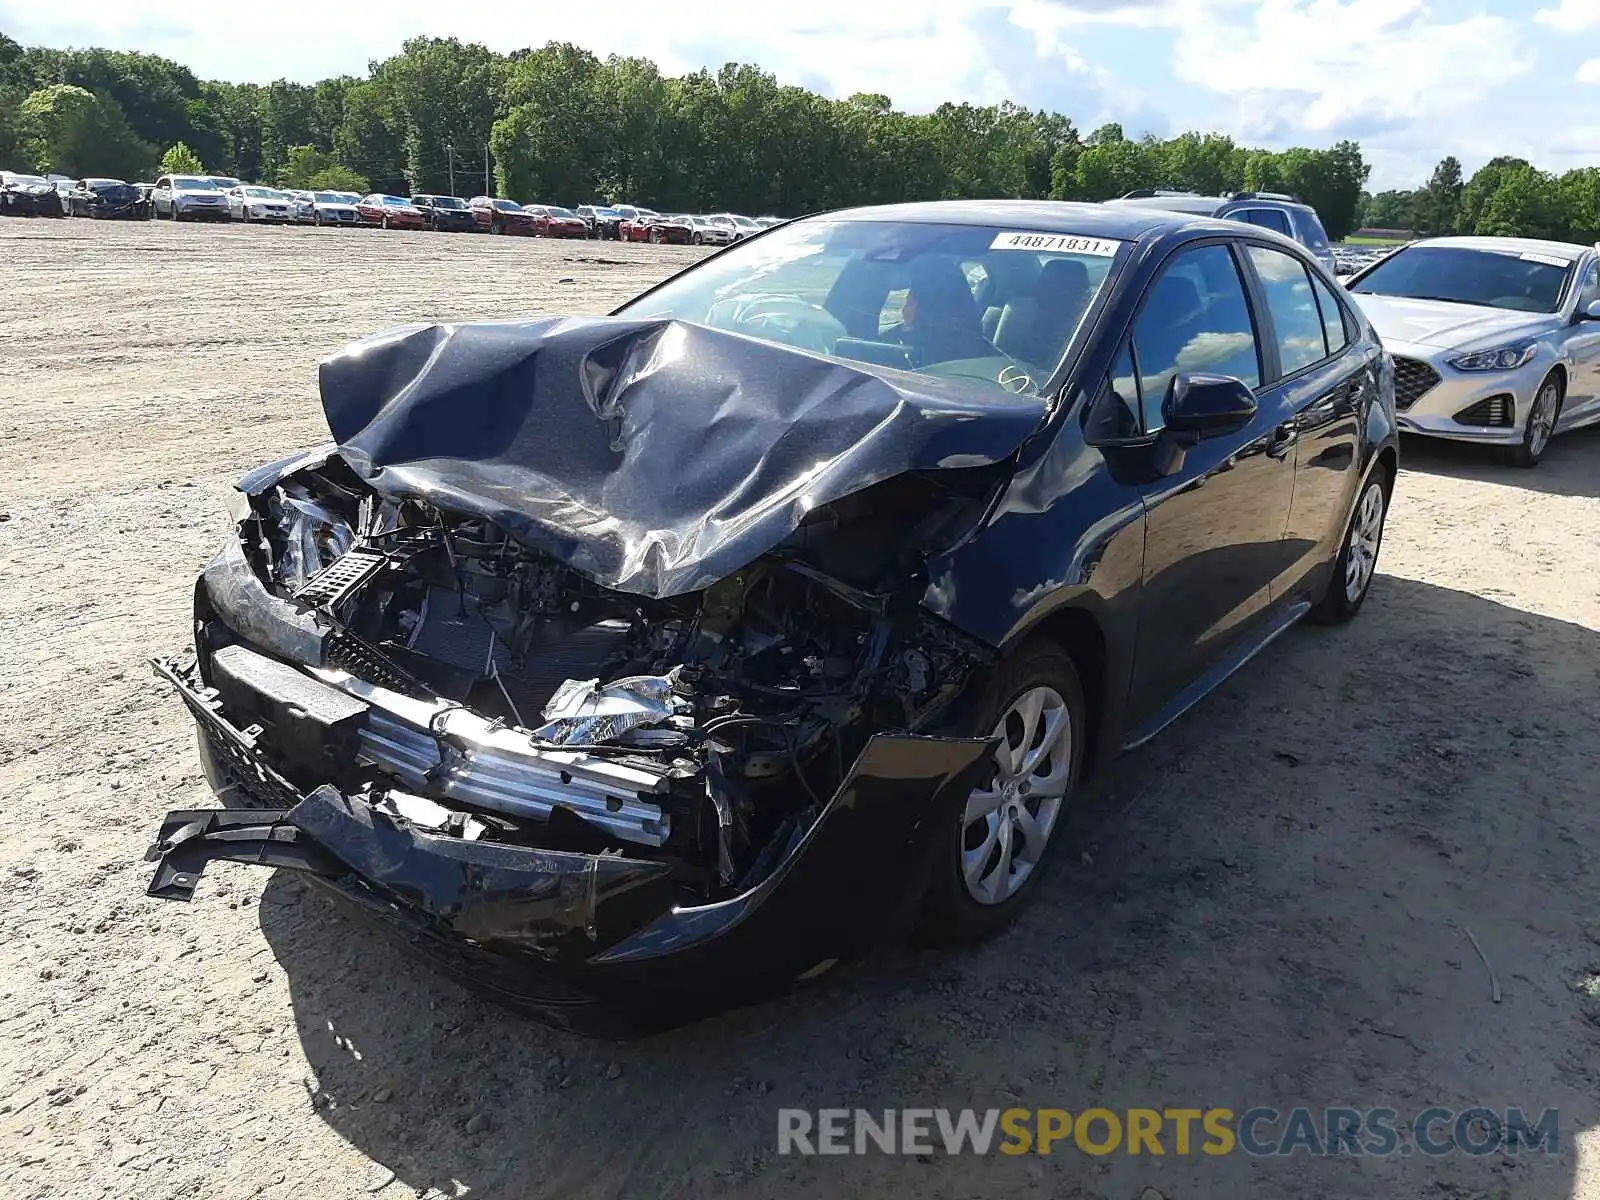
330	198
262	193
449	202
1521	280
745	223
27	179
223	181
556	211
993	306
506	205
397	201
103	183
189	183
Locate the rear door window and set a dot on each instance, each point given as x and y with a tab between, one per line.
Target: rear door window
1296	320
1265	218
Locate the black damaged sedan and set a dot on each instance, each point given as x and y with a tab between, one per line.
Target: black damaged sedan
635	667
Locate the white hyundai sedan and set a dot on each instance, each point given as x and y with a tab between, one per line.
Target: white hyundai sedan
1494	339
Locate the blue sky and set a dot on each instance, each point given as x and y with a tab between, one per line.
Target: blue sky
1412	80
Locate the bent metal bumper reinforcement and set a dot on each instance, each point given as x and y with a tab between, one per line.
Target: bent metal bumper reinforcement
433	747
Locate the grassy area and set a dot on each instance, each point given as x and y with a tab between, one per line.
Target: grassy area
1358	240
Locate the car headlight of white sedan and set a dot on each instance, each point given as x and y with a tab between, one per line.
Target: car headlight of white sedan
1499	358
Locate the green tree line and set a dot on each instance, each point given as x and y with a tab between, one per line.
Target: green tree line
559	124
1507	196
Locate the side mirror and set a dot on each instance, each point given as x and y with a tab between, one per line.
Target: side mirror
1203	406
1590	311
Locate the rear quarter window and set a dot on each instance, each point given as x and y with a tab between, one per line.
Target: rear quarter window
1309	227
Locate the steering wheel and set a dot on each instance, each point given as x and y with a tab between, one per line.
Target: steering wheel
789	320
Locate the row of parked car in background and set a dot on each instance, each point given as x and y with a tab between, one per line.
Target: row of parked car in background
1492	340
224	198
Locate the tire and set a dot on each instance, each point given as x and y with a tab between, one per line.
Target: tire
1358	553
1540	426
497	226
973	890
316	219
384	222
697	240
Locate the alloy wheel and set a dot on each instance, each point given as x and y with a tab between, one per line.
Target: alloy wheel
1542	420
1006	825
1366	532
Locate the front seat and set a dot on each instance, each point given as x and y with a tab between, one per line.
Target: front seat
1034	327
941	321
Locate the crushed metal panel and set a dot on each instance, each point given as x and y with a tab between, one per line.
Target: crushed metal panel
655	457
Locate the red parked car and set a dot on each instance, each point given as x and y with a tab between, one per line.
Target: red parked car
391	212
551	220
637	227
501	216
678	230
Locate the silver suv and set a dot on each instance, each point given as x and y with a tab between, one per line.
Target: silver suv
1276	211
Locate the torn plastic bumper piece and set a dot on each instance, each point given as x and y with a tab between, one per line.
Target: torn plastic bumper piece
191	838
485	891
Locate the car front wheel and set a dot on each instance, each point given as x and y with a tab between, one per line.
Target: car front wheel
1541	423
1358	555
997	842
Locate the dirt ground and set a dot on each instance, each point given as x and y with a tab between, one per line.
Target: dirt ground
1268	905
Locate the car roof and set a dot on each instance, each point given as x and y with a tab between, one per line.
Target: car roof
1567	250
1203	206
1044	216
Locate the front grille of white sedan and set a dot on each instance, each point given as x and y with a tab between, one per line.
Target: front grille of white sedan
1413	379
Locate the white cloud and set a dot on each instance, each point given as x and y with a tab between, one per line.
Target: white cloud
1589	72
1570	16
1360	61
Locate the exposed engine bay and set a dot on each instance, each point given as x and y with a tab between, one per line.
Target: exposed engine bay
477	686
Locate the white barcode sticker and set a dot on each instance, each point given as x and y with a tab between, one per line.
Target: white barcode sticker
1549	260
1055	243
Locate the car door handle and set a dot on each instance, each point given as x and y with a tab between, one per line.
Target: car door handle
1283	439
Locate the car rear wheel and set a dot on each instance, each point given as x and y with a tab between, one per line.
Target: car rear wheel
998	840
1358	554
1540	426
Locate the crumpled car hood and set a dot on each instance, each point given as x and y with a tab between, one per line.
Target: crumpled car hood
653	456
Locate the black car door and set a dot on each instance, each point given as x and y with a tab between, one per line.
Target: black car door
1318	383
1213	527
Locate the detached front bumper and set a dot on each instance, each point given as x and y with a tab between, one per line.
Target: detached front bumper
598	943
1435	399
